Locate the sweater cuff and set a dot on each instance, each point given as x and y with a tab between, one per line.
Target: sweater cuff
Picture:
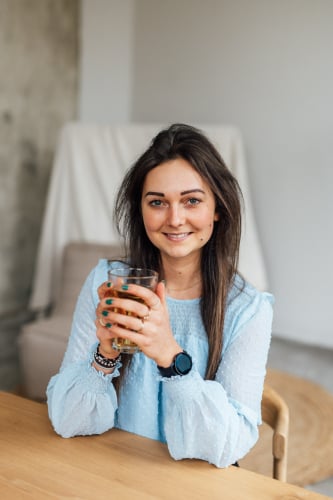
180	387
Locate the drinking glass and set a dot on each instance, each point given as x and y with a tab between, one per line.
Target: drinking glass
129	276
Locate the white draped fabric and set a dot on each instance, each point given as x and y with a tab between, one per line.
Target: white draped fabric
89	165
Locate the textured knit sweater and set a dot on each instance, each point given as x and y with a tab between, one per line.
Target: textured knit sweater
216	421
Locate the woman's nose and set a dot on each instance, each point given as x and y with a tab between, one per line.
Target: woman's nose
176	216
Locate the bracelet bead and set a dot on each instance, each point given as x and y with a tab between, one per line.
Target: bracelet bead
104	362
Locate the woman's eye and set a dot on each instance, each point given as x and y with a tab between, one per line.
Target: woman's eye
193	201
156	203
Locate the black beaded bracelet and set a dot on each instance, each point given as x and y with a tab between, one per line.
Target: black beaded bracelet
104	362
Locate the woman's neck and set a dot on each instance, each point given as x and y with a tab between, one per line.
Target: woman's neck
183	280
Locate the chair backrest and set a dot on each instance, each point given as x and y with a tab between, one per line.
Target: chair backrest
78	260
275	413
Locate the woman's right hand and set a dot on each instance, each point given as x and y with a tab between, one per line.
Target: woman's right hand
144	322
107	307
105	341
103	332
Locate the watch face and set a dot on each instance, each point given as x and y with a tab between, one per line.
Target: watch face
183	363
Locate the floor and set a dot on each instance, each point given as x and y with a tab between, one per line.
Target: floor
309	362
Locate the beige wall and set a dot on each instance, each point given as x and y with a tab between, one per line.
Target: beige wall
265	66
106	62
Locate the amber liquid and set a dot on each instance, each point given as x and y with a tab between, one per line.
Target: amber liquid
119	344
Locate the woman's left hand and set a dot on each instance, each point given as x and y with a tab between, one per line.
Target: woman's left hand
147	325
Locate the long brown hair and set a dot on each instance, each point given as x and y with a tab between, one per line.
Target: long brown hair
219	258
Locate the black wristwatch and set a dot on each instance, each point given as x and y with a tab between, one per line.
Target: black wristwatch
181	365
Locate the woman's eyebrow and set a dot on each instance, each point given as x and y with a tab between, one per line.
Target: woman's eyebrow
154	193
193	191
188	191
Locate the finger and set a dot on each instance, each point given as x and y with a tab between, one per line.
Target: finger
147	316
102	323
161	292
104	289
105	336
155	304
129	305
132	335
141	326
131	322
146	295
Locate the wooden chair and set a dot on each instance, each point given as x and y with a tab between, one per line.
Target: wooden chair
275	413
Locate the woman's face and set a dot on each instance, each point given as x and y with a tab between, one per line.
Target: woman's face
178	209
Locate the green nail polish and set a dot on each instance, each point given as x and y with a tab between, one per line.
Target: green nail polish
108	325
124	287
105	313
109	302
109	284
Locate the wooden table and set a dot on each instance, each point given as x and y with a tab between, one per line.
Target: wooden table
35	463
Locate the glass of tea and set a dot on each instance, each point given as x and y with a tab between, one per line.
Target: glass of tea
129	276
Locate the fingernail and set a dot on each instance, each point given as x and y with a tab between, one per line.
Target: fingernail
109	302
109	284
108	325
124	287
105	313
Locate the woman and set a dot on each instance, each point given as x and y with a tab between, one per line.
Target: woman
204	334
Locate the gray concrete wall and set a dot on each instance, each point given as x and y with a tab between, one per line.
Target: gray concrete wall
38	94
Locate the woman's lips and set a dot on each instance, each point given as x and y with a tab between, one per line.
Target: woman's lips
177	236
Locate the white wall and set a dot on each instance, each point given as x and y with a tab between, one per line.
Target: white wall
106	60
265	67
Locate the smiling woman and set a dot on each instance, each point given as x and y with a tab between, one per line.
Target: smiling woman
180	220
203	333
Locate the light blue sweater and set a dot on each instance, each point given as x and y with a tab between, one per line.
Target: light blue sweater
216	421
